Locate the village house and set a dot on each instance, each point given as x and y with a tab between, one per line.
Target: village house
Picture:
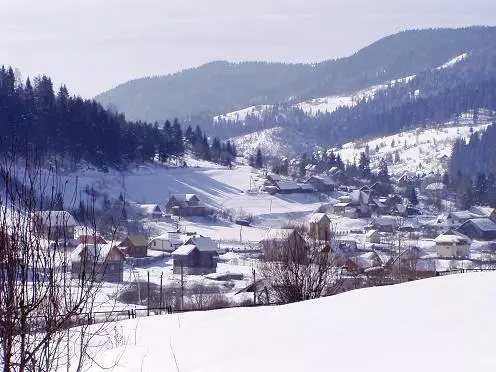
167	242
321	183
276	240
185	205
320	227
341	250
99	262
54	225
373	236
197	256
385	224
274	184
357	204
151	210
134	246
453	244
484	212
479	229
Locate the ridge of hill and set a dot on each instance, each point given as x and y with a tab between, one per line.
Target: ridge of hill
220	86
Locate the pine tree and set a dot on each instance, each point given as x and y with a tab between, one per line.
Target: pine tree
412	196
383	173
364	165
259	159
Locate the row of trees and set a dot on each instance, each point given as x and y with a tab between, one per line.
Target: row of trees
35	119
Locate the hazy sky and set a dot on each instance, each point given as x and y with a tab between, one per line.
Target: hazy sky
93	45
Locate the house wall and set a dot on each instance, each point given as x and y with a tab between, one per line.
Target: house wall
109	271
195	263
452	250
321	230
137	252
162	245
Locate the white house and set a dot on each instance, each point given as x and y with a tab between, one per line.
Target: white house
373	236
167	242
453	244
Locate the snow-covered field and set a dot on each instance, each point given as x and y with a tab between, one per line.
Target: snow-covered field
444	323
420	149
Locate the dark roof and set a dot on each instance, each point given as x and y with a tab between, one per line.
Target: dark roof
137	240
483	224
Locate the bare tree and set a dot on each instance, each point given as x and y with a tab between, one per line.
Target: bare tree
39	300
299	268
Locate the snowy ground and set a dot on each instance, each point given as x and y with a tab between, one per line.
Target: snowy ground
442	323
418	150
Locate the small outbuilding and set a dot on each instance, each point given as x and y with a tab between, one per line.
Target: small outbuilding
135	246
198	255
453	244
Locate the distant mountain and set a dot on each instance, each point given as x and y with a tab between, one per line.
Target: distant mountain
220	87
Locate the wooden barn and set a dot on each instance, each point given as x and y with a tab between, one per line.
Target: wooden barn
479	229
320	227
185	205
135	246
54	225
197	256
99	262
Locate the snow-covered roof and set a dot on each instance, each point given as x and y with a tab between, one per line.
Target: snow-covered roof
95	252
287	185
452	237
150	208
174	237
184	250
277	234
341	204
55	218
326	180
463	215
203	243
371	233
184	197
435	186
482	211
484	224
317	217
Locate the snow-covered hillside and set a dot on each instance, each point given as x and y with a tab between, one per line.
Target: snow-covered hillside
274	142
422	150
444	323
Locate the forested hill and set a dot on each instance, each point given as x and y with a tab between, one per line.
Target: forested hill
220	87
35	121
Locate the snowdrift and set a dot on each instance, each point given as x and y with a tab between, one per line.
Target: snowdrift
437	324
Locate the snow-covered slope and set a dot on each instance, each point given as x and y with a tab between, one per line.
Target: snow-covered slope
438	324
240	115
420	149
453	61
277	142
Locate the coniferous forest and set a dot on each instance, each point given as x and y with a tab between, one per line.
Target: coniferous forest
36	120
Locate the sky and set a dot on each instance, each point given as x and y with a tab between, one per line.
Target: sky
94	45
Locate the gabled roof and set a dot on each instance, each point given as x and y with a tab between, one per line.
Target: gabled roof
464	215
96	252
184	197
452	236
482	211
174	237
203	243
184	250
483	224
326	180
317	217
287	185
278	234
55	218
90	239
137	240
150	208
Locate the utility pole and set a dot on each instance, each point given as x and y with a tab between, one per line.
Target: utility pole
148	295
182	287
240	230
254	288
161	292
